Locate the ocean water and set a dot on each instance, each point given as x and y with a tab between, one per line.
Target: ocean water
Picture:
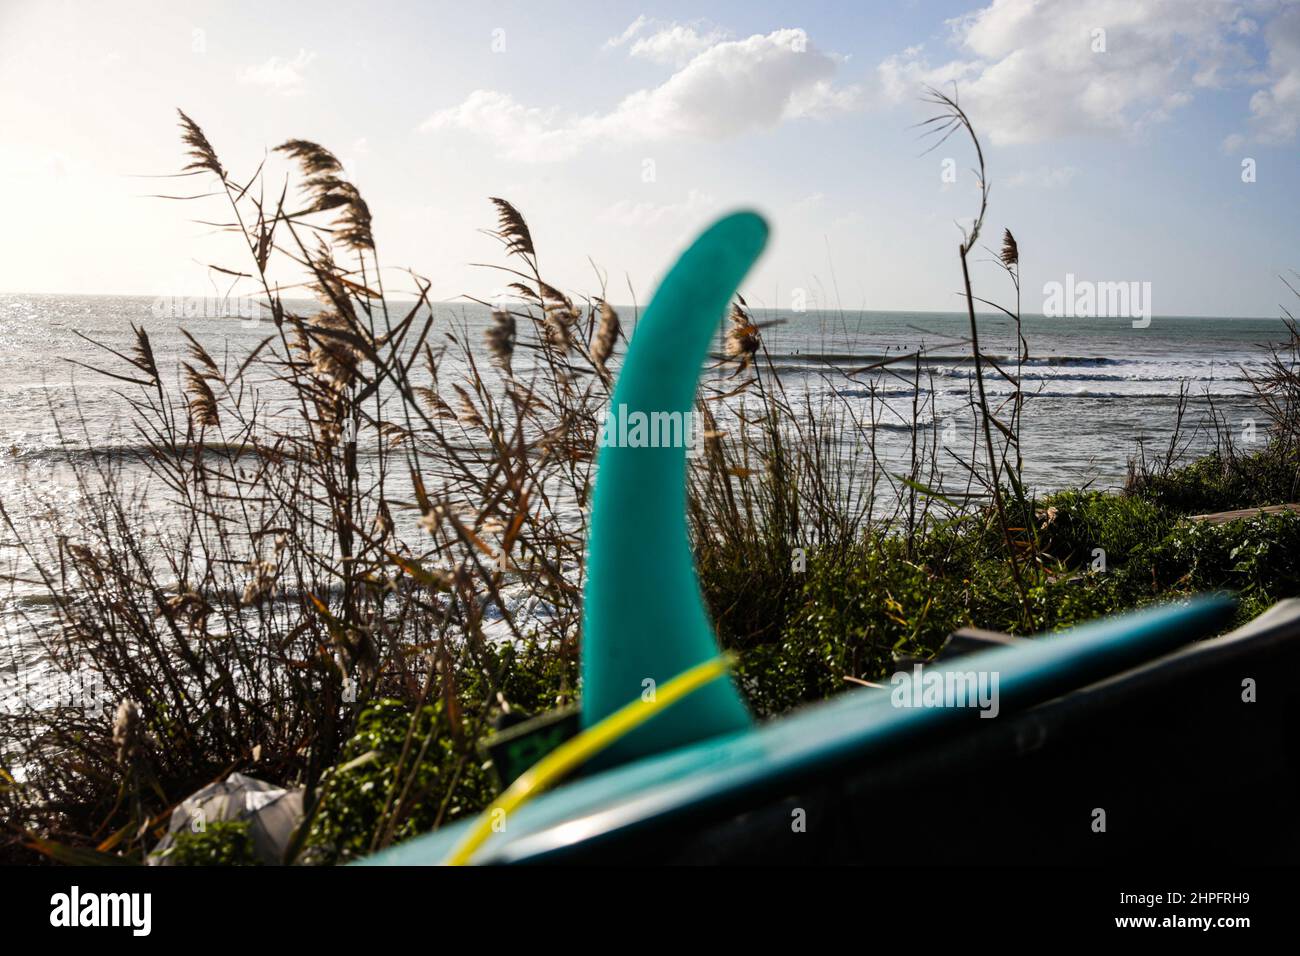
1096	388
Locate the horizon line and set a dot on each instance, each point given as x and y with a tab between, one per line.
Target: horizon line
465	301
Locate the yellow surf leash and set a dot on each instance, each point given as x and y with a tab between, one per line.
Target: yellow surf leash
576	751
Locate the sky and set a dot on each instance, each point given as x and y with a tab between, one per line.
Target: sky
1126	140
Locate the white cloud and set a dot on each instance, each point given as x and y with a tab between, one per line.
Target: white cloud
1275	110
1044	177
1233	142
632	30
283	76
625	212
732	87
1028	70
670	44
521	132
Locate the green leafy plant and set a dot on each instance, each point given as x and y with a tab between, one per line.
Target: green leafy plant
219	843
403	771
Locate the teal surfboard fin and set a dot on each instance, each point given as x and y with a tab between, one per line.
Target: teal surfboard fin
644	619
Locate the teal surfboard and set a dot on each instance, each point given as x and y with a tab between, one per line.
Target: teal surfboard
658	790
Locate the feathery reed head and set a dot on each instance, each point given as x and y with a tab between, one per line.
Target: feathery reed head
202	155
603	342
329	190
142	355
501	338
334	358
127	732
314	159
201	357
743	336
468	414
561	316
1010	251
512	229
558	329
203	404
354	224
